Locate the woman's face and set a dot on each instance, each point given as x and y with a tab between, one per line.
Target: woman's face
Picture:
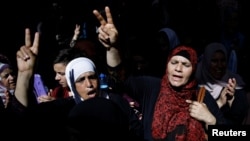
87	85
218	65
179	71
8	79
59	69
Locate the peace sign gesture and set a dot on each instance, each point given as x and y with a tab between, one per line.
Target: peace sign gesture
27	53
26	58
108	33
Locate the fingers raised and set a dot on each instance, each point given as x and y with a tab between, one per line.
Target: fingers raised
23	53
27	37
99	17
108	15
36	43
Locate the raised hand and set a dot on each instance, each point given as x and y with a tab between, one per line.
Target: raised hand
108	33
227	94
77	32
27	53
230	89
26	58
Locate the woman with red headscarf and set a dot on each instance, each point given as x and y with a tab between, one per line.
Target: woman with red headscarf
175	117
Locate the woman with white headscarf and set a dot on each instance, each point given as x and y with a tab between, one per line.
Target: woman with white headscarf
83	82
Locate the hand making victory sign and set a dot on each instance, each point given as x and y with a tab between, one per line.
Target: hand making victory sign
108	33
27	53
26	59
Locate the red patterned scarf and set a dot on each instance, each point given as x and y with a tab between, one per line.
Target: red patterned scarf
171	110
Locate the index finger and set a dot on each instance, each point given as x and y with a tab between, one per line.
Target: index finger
99	17
234	80
108	15
189	101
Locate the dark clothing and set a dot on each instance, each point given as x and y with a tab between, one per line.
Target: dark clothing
214	109
98	118
145	90
49	120
238	111
1	104
12	119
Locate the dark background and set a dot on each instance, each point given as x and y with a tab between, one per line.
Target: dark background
133	18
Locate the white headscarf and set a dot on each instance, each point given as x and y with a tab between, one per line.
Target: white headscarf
2	67
75	68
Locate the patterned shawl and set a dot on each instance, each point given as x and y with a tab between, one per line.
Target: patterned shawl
171	110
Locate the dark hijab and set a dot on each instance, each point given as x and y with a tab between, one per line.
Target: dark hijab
97	118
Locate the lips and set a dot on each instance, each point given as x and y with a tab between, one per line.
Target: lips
91	92
177	77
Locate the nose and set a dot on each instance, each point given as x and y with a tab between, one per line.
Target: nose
220	63
57	77
88	83
11	76
178	67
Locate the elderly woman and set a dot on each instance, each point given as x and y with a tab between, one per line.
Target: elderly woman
82	78
7	82
178	115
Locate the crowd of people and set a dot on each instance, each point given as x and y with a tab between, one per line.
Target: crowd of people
148	98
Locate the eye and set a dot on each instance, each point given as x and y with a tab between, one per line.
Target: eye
187	65
93	77
61	73
6	75
174	62
80	79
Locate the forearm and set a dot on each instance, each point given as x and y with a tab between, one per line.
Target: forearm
219	103
72	42
22	87
113	57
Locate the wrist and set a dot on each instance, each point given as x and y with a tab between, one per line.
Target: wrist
211	120
219	103
109	48
72	43
75	37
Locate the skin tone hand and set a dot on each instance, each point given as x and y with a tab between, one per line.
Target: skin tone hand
228	91
108	33
108	36
76	32
26	57
76	35
200	112
46	98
